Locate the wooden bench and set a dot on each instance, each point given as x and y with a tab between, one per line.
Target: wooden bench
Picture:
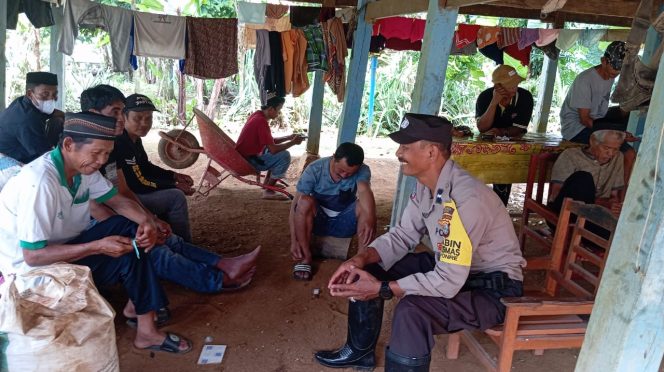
556	318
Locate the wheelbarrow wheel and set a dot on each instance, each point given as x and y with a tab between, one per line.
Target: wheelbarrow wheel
175	156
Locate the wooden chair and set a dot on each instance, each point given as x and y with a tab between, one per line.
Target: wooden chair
539	174
557	318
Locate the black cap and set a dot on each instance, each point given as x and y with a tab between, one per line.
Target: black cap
416	127
139	102
40	77
614	54
89	125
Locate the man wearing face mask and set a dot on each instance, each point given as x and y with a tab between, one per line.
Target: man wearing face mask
23	133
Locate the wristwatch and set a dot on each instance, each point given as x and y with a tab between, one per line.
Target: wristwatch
385	292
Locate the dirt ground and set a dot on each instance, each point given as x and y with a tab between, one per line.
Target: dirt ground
276	324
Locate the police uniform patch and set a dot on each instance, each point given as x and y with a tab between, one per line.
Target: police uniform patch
455	246
405	123
444	221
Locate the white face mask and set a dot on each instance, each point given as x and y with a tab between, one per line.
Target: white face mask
45	106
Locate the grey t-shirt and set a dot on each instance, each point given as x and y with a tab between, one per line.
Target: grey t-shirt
588	91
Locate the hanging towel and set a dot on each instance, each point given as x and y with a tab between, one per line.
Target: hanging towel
567	38
159	35
399	44
528	37
487	36
39	13
275	11
336	52
316	55
521	55
508	36
417	31
247	31
302	16
394	27
211	47
590	37
492	52
262	61
294	47
115	20
465	34
546	36
251	12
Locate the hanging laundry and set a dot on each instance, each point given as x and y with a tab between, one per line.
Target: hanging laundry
316	56
567	38
417	31
262	60
377	44
39	13
492	52
294	47
326	12
465	34
468	50
247	31
400	44
508	36
346	14
394	27
302	16
251	12
550	50
275	11
274	77
116	21
211	47
528	37
590	37
546	36
159	35
521	55
337	53
487	36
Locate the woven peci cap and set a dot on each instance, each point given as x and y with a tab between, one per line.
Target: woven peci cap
89	125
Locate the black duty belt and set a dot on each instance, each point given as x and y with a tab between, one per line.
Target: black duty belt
496	280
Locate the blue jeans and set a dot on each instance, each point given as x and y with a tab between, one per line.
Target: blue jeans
171	206
138	276
188	265
343	225
276	163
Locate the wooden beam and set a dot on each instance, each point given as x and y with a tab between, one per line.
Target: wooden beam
622	8
625	329
316	114
460	3
429	83
357	72
392	8
492	10
3	60
545	94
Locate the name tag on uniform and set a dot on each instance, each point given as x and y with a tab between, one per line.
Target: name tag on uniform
455	246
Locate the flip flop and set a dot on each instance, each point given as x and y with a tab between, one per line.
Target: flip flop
237	287
304	270
163	316
171	344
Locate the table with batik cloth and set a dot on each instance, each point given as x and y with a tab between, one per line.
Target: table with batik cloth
504	161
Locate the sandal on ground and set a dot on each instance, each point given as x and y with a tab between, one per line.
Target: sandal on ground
236	287
163	316
302	272
171	344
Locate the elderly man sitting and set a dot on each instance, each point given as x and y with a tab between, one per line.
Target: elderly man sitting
45	216
593	174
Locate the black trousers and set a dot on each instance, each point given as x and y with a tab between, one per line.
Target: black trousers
418	318
136	275
503	191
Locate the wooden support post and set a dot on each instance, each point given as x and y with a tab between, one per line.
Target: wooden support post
429	83
316	114
3	63
357	71
625	330
57	59
545	94
637	118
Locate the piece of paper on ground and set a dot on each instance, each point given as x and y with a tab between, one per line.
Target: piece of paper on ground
212	354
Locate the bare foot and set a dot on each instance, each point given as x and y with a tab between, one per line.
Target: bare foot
240	281
129	310
237	267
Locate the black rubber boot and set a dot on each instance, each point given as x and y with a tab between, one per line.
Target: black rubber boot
364	321
397	363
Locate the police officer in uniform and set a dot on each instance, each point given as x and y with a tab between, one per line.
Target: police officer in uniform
476	259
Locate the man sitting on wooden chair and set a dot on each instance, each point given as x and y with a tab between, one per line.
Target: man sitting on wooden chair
333	198
263	151
593	174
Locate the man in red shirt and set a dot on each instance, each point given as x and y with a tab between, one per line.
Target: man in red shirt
262	150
